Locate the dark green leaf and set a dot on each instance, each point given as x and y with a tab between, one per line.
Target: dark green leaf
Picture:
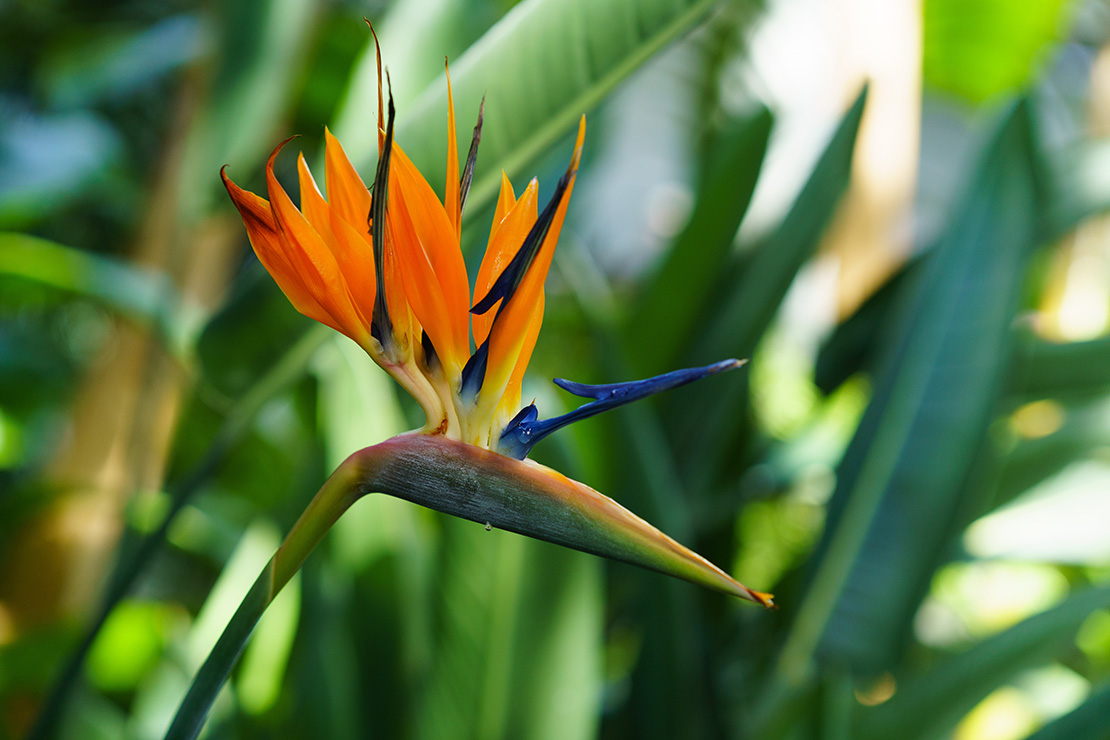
750	303
1085	722
1047	369
898	500
676	297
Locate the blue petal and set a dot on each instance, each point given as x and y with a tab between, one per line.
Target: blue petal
525	430
509	280
474	372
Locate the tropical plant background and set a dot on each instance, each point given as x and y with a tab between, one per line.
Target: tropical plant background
916	461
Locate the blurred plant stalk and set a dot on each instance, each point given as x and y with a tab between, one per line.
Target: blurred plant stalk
126	411
122	424
870	237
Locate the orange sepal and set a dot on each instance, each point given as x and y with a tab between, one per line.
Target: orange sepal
505	201
352	252
451	191
265	239
507	236
438	240
510	399
422	288
347	193
307	253
510	329
406	328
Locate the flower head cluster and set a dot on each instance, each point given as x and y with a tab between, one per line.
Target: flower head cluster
383	265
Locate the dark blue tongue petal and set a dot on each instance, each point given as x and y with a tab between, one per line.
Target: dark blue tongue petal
526	429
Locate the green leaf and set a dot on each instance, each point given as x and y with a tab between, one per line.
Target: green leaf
1082	434
545	64
111	64
900	489
249	334
928	705
750	303
981	48
49	160
1072	369
146	297
1077	185
519	624
675	297
130	643
1085	722
851	347
263	43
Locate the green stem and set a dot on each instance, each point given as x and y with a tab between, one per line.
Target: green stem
335	497
194	708
131	561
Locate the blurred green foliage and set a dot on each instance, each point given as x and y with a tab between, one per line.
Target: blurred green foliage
844	479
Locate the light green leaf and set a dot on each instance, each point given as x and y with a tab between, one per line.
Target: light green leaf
545	64
928	705
981	48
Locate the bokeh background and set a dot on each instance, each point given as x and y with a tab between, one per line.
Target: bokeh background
916	460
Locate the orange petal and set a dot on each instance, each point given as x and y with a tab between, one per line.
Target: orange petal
347	193
406	329
510	329
451	191
422	288
352	252
381	108
510	400
505	202
505	239
310	257
439	240
265	239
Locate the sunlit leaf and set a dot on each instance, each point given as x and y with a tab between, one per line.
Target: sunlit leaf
927	705
981	48
899	492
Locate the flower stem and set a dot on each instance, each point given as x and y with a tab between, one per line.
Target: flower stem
336	496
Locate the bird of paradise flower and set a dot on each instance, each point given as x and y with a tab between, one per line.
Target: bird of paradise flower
383	266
